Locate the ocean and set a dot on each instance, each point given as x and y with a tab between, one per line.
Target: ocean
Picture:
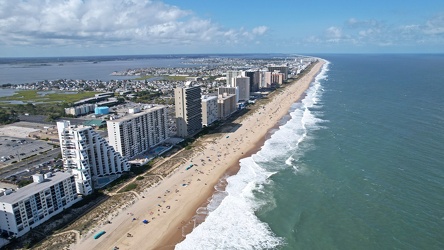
357	164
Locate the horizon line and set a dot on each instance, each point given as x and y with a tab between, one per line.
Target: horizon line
250	53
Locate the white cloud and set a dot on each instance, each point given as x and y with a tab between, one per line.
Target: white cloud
313	40
410	28
369	32
108	22
372	32
335	35
435	26
260	30
356	23
334	32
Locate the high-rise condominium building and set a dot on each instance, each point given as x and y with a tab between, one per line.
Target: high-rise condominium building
226	105
30	206
281	69
89	157
243	85
274	78
139	131
254	79
209	110
188	110
231	74
263	82
224	91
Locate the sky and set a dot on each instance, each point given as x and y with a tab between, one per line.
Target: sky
34	28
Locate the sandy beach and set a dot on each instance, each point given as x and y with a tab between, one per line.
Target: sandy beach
170	205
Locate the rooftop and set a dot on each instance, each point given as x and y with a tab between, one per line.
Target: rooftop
130	116
33	188
206	98
94	123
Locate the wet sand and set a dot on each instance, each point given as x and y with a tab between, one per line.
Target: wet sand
170	206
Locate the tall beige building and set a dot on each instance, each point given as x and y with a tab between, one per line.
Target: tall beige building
188	106
243	85
273	78
228	91
277	78
231	74
226	105
281	69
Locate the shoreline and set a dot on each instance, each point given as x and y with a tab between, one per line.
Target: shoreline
171	242
174	201
177	237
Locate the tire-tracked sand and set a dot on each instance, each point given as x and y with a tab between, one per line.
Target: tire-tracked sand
173	202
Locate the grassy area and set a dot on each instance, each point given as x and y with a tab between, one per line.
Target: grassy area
168	78
176	78
34	96
129	187
141	78
117	182
141	169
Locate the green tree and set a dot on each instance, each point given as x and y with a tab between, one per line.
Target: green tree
8	116
53	117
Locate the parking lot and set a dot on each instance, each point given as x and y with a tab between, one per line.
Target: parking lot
27	148
14	150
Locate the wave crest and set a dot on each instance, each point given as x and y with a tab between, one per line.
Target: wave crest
231	222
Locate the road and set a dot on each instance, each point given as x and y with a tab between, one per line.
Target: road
29	163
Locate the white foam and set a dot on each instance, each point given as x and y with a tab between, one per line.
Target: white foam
289	161
233	225
231	222
296	130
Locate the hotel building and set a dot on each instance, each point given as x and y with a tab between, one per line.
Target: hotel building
226	105
221	91
243	85
80	110
231	74
188	106
280	69
262	79
209	110
30	206
138	131
89	156
254	79
273	78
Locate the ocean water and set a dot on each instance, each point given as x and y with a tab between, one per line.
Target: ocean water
357	164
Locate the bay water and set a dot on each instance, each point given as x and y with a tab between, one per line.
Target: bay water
29	70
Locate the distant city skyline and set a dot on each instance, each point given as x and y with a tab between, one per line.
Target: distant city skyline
139	27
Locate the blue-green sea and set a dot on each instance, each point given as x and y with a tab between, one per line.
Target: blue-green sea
357	164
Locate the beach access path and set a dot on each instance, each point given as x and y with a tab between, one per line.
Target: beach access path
172	203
